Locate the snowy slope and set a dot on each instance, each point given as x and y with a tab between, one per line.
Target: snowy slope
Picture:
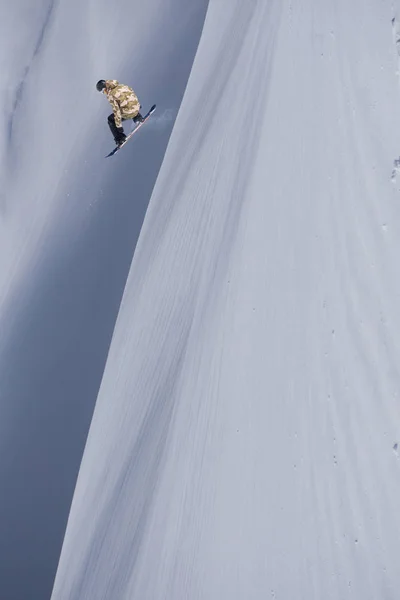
244	438
69	222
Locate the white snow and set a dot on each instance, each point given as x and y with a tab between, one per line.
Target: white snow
69	222
244	442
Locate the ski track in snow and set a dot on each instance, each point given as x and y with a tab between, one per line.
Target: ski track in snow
20	88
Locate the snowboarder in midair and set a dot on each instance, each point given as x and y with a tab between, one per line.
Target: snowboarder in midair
125	105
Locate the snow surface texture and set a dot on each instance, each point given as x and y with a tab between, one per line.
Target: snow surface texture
69	222
244	443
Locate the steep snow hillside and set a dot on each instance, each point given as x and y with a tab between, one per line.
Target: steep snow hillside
245	442
245	439
69	222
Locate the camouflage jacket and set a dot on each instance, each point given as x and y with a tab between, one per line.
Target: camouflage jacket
124	102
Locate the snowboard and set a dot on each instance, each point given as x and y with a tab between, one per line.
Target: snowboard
128	137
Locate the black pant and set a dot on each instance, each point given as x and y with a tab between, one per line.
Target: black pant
112	125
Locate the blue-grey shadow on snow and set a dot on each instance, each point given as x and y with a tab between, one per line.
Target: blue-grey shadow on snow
56	345
20	88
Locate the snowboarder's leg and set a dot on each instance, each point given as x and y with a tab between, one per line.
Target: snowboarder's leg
118	132
138	118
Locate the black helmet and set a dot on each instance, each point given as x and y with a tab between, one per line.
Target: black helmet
100	85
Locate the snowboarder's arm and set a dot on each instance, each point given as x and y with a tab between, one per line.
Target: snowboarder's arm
116	111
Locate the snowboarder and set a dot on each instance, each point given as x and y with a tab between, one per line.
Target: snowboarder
125	105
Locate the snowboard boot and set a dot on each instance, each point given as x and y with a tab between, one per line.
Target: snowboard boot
120	140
